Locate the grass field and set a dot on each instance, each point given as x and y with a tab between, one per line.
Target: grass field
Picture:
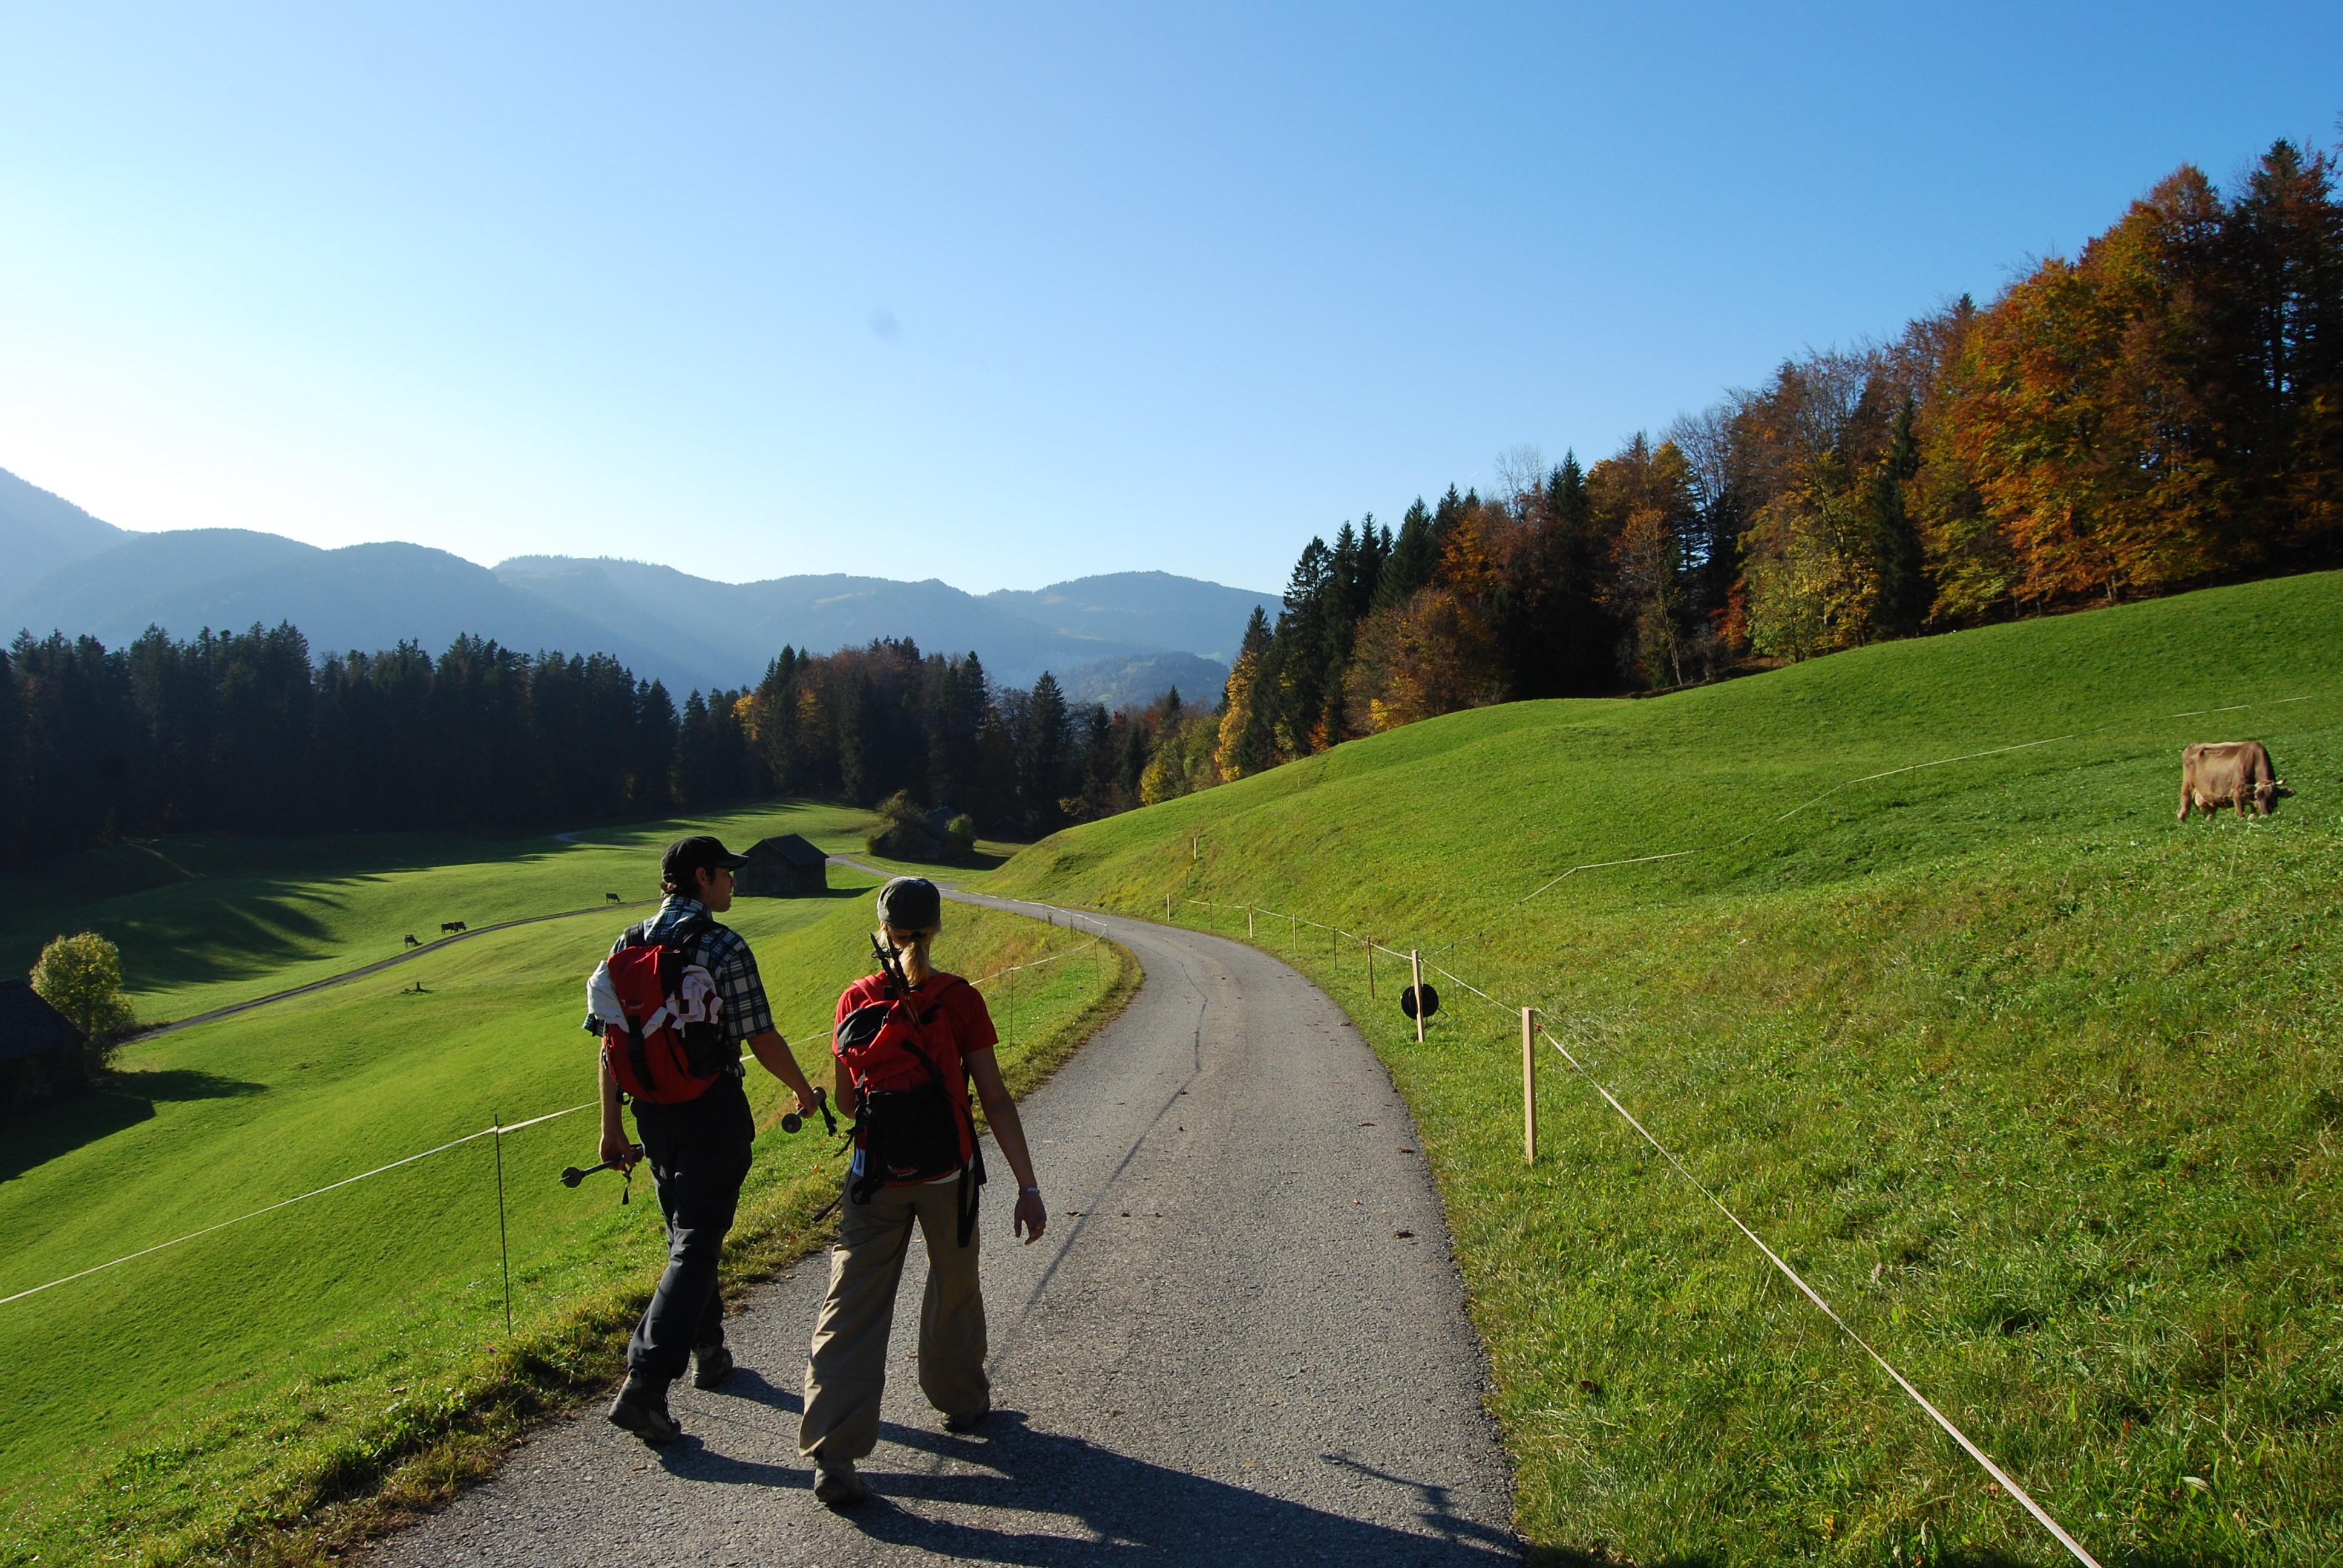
2040	1089
354	1346
202	921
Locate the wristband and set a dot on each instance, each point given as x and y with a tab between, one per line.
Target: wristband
1035	1190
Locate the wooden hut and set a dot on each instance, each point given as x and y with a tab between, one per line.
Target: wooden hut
40	1051
783	868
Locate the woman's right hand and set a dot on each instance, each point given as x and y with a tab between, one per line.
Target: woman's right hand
616	1150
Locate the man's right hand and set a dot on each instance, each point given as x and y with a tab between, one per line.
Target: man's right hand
616	1151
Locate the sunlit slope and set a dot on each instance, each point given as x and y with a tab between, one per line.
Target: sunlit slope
2040	1088
1454	820
160	1401
202	921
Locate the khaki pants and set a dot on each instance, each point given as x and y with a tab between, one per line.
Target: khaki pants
846	1372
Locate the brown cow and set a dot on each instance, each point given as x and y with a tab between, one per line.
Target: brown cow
2215	773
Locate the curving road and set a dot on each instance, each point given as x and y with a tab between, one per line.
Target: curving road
1242	1341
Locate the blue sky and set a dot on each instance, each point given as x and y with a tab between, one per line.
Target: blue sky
1005	294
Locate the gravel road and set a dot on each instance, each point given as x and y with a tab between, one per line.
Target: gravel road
1242	1340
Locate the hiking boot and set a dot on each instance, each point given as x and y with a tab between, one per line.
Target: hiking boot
835	1484
710	1365
641	1409
964	1424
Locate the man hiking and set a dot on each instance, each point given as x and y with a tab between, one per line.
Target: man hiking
685	994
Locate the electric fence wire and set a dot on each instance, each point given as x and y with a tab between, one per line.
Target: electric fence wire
492	1130
1985	1460
489	1131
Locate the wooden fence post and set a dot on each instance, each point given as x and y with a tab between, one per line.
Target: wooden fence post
1293	933
1167	908
1529	1086
1369	943
1247	923
1415	974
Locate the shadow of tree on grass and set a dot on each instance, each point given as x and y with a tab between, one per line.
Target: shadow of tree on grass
33	1135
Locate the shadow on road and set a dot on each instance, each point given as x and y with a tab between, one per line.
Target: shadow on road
1105	1507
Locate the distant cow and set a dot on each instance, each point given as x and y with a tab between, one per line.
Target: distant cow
2217	773
448	926
611	898
411	941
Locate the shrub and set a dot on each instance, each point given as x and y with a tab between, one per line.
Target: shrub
960	837
906	836
81	976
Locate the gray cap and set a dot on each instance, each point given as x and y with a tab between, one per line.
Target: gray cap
911	904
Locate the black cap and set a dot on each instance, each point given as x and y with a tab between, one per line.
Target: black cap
911	904
697	853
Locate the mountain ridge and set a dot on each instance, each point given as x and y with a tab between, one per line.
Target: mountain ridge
1107	634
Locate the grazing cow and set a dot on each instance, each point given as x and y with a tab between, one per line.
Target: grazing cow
2219	773
411	941
448	926
610	897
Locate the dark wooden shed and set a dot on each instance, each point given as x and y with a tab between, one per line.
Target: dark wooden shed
783	868
40	1051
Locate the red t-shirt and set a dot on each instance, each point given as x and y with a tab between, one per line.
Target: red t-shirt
954	1022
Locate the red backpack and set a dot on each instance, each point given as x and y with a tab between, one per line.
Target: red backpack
652	1055
914	1125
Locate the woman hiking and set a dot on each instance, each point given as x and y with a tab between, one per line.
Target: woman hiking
910	1040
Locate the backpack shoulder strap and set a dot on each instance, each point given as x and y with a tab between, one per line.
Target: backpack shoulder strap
689	929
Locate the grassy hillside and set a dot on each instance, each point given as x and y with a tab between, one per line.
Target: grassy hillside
260	1372
202	921
2040	1089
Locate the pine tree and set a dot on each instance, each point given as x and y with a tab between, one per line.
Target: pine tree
1242	749
1043	755
1412	558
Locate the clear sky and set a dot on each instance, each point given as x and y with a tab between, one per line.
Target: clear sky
1003	293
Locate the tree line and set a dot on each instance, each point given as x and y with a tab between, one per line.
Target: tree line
2163	412
242	732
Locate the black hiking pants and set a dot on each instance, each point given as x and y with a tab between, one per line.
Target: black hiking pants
699	1155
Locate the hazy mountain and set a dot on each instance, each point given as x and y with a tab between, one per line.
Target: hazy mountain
1142	677
365	597
43	532
1018	635
1154	609
744	625
77	575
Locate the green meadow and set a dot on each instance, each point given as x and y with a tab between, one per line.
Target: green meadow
286	1383
2039	1088
207	921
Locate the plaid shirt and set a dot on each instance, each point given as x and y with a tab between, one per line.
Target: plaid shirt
724	954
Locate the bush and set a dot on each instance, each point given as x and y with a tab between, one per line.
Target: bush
906	836
960	837
81	976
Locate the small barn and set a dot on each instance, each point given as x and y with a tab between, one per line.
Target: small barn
783	868
40	1052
